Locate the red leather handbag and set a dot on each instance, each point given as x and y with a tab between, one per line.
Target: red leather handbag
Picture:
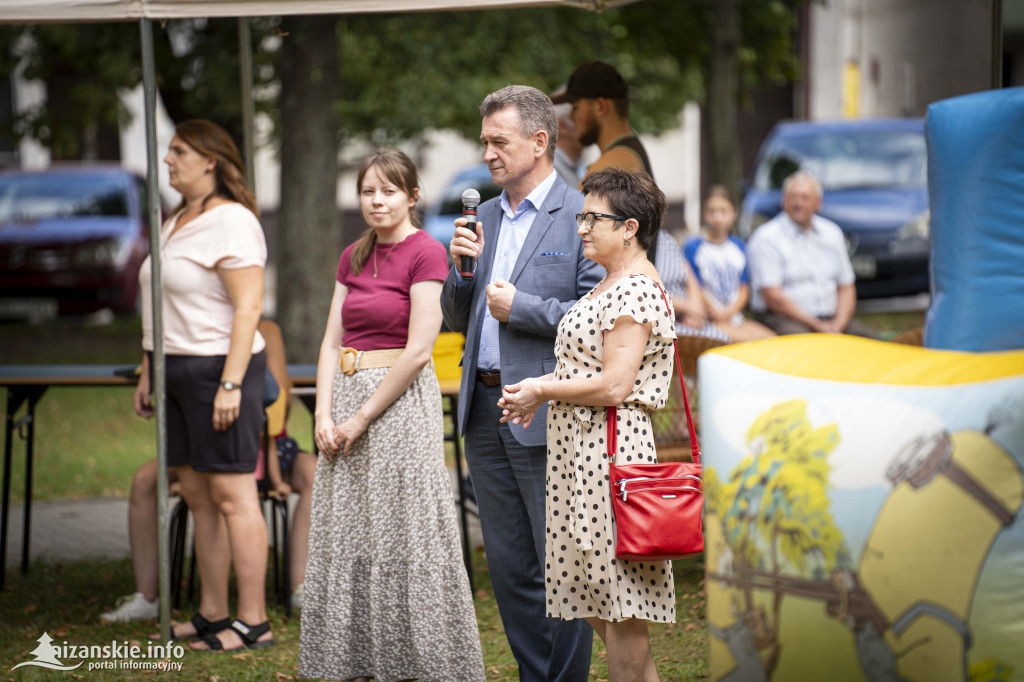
657	506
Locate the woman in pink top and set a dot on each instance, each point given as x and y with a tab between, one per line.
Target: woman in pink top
386	594
213	253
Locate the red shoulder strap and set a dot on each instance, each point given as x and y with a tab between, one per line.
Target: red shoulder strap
612	416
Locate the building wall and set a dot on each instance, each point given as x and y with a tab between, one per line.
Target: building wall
883	58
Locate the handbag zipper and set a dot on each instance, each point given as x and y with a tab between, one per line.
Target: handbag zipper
623	492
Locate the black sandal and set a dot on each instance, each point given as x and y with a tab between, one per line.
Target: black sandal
205	627
249	634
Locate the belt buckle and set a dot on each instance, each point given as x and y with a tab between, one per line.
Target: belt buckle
355	360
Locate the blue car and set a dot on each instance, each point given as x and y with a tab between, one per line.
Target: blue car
875	179
72	240
439	216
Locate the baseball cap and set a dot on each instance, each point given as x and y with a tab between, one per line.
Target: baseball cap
593	79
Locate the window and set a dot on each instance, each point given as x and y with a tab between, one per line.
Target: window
849	160
35	197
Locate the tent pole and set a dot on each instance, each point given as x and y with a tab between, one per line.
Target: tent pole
157	362
245	67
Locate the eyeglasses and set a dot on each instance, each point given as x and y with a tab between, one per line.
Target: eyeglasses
590	218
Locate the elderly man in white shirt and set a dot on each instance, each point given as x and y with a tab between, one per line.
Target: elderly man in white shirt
800	272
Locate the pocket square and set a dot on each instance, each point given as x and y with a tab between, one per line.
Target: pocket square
554	253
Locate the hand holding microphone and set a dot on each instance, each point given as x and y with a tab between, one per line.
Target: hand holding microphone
470	200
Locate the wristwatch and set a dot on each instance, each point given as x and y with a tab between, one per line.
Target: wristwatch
230	385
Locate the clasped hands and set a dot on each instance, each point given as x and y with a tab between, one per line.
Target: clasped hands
332	440
519	402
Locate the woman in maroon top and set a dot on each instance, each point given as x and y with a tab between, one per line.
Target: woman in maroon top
386	594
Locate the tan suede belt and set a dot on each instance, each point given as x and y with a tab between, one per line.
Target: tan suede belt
353	360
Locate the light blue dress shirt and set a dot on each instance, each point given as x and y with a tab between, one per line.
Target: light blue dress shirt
515	226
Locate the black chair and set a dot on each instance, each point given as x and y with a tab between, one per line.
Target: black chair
465	496
276	506
178	534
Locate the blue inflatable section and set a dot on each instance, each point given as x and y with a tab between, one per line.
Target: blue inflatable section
976	188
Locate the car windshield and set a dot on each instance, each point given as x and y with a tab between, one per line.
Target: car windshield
30	198
452	200
849	160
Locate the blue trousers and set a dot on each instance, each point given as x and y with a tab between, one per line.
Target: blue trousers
508	480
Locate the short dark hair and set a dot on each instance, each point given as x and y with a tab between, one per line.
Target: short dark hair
536	112
720	191
632	193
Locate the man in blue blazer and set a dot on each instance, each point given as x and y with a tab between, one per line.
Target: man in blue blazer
529	270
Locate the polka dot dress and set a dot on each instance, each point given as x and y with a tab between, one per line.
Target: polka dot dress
584	579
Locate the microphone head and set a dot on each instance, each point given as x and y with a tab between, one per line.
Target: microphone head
470	198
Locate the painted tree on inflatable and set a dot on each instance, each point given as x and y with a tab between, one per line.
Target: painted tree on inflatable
774	510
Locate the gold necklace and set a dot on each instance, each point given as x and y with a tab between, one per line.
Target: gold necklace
383	261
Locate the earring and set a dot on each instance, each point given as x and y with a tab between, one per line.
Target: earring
626	244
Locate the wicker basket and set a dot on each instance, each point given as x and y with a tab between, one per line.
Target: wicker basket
671	435
911	337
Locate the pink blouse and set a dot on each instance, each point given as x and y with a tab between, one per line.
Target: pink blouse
197	310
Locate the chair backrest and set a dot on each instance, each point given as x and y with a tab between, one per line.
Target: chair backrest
447	358
690	347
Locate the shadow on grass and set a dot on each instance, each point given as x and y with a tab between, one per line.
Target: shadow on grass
65	601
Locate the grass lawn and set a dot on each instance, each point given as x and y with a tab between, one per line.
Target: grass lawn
90	442
64	600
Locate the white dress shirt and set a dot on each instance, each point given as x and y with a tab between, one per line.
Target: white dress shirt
808	265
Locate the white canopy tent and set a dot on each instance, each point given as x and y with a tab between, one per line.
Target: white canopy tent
145	11
59	11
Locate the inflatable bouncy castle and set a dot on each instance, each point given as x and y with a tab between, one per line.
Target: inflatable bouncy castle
863	498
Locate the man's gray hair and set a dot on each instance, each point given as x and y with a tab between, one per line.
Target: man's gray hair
536	112
802	176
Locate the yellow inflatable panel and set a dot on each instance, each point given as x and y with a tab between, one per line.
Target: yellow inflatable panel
862	515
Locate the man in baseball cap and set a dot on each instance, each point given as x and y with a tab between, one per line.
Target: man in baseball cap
600	110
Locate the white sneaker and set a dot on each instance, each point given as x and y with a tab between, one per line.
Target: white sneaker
132	607
297	598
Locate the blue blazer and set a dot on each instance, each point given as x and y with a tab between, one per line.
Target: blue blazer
550	275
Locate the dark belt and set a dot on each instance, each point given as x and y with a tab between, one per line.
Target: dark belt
489	377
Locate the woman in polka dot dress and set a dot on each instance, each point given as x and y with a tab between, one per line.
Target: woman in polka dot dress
614	347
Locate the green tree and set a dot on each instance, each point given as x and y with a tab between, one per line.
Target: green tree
80	118
399	76
308	237
84	65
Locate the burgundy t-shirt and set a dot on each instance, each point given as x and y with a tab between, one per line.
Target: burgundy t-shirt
375	313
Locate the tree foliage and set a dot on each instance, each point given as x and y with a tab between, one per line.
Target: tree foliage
83	79
84	65
404	74
399	76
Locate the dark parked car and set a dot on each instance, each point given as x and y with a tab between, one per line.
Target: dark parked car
875	179
71	240
439	216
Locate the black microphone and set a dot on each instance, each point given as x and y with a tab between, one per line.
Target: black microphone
470	200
